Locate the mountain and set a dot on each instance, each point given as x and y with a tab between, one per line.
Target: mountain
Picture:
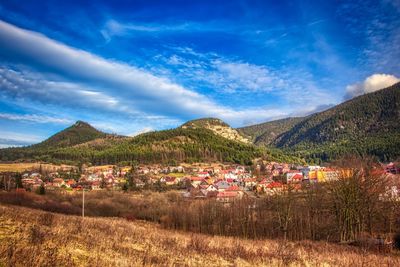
78	133
365	125
265	133
200	140
218	127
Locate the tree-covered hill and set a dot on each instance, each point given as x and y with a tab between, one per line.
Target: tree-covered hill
364	116
366	125
169	146
265	133
78	133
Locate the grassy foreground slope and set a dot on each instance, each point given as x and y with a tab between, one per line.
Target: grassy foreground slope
36	238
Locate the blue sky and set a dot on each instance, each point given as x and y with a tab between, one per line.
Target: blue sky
132	66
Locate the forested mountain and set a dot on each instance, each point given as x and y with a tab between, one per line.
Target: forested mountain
368	124
78	133
183	144
265	133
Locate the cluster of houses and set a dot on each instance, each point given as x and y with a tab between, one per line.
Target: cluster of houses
229	184
199	181
236	182
106	178
223	184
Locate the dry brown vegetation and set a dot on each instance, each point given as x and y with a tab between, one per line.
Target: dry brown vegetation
37	238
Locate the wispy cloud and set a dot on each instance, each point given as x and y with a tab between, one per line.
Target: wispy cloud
232	77
113	28
138	91
9	138
34	118
379	34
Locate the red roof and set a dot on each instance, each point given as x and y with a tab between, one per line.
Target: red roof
229	180
274	185
233	188
297	177
196	179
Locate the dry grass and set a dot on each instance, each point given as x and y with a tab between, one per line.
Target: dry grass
35	238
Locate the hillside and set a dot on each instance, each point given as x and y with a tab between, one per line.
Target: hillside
218	127
368	124
35	238
175	145
265	133
78	133
186	144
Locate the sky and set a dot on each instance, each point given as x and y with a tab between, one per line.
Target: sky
128	67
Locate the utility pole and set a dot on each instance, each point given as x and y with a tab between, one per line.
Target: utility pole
83	202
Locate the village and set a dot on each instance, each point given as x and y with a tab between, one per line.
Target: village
223	182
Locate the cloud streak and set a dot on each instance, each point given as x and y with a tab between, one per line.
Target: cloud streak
9	138
34	118
139	92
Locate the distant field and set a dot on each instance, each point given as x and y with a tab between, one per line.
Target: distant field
21	167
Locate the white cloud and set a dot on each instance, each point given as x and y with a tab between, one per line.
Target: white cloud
77	79
34	118
28	84
144	89
229	76
104	84
371	84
